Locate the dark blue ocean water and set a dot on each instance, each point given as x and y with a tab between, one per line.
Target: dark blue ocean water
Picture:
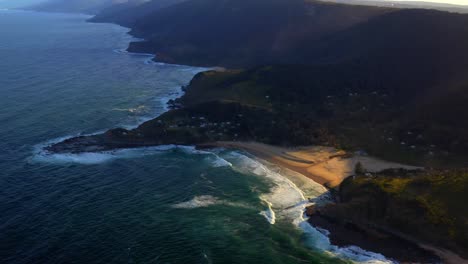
61	76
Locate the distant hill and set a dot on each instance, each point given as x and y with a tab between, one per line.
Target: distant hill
406	4
413	61
240	33
245	33
81	6
129	13
18	3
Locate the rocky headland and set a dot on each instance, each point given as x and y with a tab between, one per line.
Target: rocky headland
329	82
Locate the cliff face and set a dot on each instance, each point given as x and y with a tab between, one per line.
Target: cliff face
427	206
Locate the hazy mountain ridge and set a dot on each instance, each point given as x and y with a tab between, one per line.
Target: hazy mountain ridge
245	33
127	14
241	33
82	6
406	4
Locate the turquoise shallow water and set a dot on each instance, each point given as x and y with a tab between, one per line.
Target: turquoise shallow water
61	76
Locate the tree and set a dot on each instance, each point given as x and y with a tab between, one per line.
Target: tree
359	169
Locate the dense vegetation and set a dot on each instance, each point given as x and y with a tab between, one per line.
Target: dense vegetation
344	107
427	205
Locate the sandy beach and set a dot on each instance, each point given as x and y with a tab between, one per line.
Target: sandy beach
324	165
329	167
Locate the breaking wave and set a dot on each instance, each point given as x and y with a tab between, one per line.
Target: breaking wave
206	201
287	202
198	202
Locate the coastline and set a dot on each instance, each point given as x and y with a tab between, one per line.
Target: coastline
328	166
324	165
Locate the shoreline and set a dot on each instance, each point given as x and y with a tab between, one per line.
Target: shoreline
301	159
324	165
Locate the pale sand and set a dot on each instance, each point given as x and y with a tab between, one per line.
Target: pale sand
325	165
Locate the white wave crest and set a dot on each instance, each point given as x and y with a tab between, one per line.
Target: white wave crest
197	202
90	158
134	110
124	51
286	201
318	239
216	161
269	214
206	201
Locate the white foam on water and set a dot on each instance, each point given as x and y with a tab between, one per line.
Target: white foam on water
269	214
100	157
133	110
151	61
198	202
124	51
219	162
284	193
120	51
91	158
216	161
286	201
202	201
212	156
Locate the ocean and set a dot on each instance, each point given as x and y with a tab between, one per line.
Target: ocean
60	77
